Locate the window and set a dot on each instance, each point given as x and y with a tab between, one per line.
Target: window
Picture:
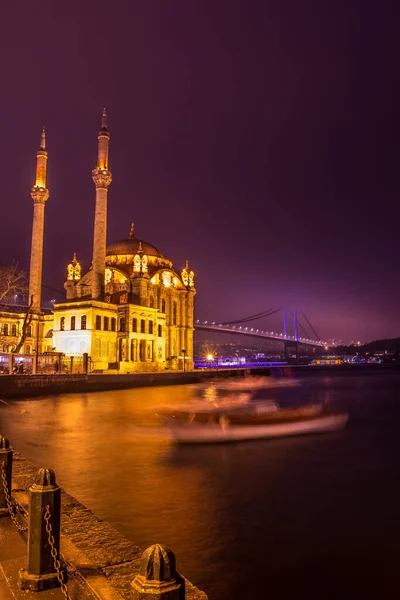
105	324
174	311
160	331
29	331
28	350
62	323
151	327
13	330
72	323
151	302
134	325
113	323
98	323
142	326
163	305
122	324
5	329
83	322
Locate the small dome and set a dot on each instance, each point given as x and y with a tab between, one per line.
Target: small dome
131	246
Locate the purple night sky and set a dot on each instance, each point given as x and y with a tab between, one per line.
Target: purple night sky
259	139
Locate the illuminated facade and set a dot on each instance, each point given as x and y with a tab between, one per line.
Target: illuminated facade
131	311
38	335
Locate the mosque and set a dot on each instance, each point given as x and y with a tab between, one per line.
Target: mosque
130	312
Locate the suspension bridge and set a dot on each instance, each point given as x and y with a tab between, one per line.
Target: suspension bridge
293	322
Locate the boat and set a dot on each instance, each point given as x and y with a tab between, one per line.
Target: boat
239	425
253	383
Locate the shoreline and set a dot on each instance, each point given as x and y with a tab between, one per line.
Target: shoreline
28	386
101	561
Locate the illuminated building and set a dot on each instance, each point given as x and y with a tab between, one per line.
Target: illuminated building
131	311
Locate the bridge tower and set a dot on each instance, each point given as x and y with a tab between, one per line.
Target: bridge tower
291	346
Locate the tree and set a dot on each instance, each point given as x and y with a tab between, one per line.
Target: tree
13	281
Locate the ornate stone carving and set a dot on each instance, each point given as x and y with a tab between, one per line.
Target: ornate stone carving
102	178
74	270
187	276
39	194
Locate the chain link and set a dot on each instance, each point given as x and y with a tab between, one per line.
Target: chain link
10	505
54	554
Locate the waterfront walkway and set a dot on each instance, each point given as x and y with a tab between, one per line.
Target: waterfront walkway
100	561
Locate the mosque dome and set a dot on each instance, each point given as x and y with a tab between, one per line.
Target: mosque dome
132	246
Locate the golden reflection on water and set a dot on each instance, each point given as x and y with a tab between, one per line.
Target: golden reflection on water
111	451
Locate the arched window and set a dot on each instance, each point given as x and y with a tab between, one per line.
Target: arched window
62	324
13	329
113	323
5	329
105	324
122	324
98	324
174	312
142	326
72	323
160	331
163	305
28	349
83	322
151	327
151	302
134	325
29	331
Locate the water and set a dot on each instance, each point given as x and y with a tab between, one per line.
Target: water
317	515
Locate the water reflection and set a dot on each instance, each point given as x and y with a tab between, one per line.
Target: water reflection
234	514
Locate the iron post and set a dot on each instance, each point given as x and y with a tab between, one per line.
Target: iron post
6	457
44	494
157	578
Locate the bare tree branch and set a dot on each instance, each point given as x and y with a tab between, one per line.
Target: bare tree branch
13	281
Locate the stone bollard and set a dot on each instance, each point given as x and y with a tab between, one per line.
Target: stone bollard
44	501
6	457
157	578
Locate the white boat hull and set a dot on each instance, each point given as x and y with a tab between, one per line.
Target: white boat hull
197	433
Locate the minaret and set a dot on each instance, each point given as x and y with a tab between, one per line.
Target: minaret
40	195
102	179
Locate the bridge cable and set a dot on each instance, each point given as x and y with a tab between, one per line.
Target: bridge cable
311	327
265	313
256	316
302	328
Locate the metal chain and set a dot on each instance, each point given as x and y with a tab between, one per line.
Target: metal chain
54	554
9	502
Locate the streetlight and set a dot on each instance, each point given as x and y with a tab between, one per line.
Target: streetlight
184	359
210	358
